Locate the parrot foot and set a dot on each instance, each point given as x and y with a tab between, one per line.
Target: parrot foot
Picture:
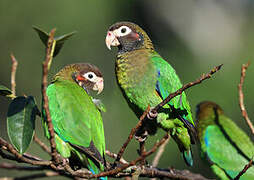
65	161
152	115
142	137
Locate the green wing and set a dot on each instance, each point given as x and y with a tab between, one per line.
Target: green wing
228	147
168	82
75	118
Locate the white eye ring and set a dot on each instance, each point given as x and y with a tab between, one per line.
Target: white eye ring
91	76
122	31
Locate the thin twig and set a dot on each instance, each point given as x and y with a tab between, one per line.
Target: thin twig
32	157
33	176
170	173
113	155
142	150
13	74
41	144
4	145
48	59
133	131
21	158
22	168
241	97
186	86
5	155
159	153
246	167
140	158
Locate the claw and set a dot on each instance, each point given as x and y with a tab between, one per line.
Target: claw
65	161
142	137
152	115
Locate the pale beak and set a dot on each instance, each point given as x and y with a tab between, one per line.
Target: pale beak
98	85
111	40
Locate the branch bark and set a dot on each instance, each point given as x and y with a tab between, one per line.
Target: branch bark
160	152
20	158
241	97
246	167
13	74
133	131
41	144
140	158
114	156
186	86
21	168
48	59
33	176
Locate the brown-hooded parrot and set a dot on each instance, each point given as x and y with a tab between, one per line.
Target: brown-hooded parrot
145	78
77	121
223	145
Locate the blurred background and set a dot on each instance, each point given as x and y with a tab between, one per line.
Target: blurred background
193	36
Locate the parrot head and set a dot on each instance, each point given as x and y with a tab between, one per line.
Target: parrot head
207	113
86	75
127	36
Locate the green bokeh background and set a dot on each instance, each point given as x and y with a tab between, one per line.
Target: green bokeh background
192	36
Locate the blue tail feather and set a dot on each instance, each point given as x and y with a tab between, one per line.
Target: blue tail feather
187	155
101	178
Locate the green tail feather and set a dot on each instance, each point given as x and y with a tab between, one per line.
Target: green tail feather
187	155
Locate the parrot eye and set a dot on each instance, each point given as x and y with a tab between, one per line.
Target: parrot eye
90	76
123	31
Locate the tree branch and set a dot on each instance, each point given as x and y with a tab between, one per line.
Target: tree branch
22	168
165	101
66	170
114	156
140	158
33	176
13	74
246	167
171	174
159	153
133	131
18	157
50	49
241	97
186	86
41	144
142	151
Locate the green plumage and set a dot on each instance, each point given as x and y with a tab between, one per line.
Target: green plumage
145	78
223	144
76	119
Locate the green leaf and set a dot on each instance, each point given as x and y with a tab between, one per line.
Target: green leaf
21	122
42	34
60	40
4	91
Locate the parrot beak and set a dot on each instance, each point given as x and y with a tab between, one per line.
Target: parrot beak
111	40
99	85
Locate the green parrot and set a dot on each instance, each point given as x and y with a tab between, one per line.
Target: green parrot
222	143
77	121
145	78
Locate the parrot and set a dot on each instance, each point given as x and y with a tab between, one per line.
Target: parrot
145	78
223	145
77	121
